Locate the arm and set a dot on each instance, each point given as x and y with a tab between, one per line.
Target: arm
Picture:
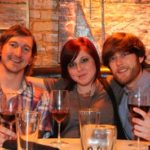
36	81
47	83
142	126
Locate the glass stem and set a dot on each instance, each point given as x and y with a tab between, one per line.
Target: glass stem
59	126
11	126
138	143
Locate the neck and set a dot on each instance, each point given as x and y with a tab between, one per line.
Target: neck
9	80
132	84
86	90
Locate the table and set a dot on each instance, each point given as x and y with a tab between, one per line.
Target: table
74	144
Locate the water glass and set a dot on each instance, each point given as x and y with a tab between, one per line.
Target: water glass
95	136
27	127
88	119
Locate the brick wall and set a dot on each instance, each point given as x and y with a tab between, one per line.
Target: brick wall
53	22
44	25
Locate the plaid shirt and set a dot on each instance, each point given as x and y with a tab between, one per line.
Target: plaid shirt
34	98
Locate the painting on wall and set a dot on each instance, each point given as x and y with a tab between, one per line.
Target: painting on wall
13	12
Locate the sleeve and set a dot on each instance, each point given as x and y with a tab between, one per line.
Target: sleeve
116	87
46	123
54	83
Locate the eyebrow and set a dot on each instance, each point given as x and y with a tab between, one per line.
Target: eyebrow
17	42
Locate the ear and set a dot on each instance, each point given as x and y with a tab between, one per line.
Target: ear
30	61
141	59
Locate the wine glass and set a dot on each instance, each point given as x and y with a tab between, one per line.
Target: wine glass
59	108
140	98
8	109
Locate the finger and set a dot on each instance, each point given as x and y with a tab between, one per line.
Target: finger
140	111
142	123
7	132
137	121
142	131
3	138
142	135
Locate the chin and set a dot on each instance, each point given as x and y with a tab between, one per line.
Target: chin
121	81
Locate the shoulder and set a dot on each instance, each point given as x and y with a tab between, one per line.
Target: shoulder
38	92
55	83
144	80
146	74
112	82
116	87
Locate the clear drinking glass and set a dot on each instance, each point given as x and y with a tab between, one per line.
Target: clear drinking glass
59	108
140	98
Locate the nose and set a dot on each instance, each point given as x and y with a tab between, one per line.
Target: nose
18	51
79	67
119	60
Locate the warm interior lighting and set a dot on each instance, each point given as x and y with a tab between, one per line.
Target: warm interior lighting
105	70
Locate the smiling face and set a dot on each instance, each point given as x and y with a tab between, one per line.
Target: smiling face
126	67
82	70
16	53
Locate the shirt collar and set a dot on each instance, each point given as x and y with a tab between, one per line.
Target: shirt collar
24	86
143	80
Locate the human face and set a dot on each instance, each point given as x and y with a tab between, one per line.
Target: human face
125	67
16	53
82	70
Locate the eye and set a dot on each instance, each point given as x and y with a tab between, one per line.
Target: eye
125	53
13	44
72	65
112	58
84	60
26	49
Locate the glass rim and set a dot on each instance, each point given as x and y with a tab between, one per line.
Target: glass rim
27	112
58	90
89	110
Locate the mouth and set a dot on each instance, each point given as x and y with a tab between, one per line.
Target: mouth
16	61
122	70
81	76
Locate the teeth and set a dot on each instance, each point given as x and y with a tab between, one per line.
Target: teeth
122	70
16	60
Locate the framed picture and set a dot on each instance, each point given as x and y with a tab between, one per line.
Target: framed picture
13	12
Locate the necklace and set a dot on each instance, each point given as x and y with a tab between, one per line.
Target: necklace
88	93
85	100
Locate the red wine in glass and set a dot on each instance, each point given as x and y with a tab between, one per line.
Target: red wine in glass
9	119
59	108
7	116
59	115
139	98
8	109
134	114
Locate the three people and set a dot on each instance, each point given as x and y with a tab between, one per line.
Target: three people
18	49
124	54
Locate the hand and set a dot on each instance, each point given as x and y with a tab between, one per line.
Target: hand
5	134
142	126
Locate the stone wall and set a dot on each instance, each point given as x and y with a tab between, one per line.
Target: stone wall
44	25
53	22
